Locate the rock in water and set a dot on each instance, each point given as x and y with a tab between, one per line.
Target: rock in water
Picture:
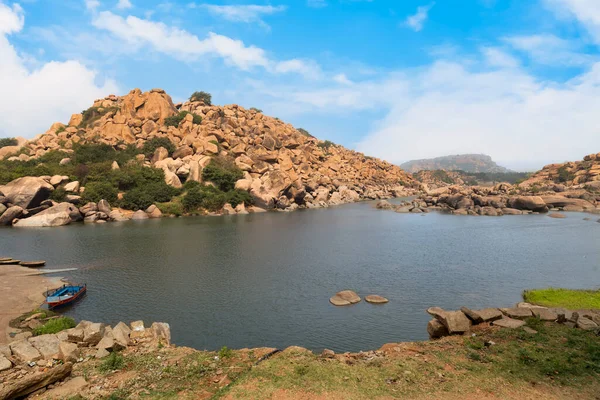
43	219
436	329
375	299
344	298
557	215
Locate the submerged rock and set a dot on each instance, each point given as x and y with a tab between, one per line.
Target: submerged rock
376	299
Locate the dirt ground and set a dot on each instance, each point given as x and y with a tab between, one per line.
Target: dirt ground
20	294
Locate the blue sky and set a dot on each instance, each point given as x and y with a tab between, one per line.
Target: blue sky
404	79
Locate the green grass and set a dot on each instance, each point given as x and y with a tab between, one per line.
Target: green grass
113	362
565	298
55	325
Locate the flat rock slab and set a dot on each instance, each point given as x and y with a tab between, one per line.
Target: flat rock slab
483	315
67	390
586	324
47	345
518	313
4	363
455	321
508	323
24	351
545	314
375	299
344	298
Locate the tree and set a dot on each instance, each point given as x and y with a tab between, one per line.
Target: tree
204	97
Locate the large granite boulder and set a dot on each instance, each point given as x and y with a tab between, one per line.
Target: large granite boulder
455	321
10	214
47	345
58	215
530	203
27	192
24	351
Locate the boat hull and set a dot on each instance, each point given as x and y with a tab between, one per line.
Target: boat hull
61	302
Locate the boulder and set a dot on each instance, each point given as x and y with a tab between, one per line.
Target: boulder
153	212
159	154
5	363
10	214
93	332
436	329
344	298
228	209
104	207
27	192
508	323
561	201
115	166
72	187
58	179
511	211
383	205
47	218
531	203
586	324
68	352
375	299
24	351
47	345
117	216
137	326
161	332
455	321
545	314
557	215
517	313
121	334
139	215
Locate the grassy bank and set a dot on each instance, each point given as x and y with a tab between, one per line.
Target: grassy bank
557	362
565	298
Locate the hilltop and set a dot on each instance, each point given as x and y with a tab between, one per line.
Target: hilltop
584	174
226	156
460	162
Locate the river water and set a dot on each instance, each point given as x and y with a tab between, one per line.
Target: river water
265	279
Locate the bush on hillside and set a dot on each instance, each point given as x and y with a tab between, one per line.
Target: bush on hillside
54	325
137	199
258	110
171	208
564	175
222	172
304	132
202	96
96	191
151	145
238	196
93	153
175	120
93	114
5	142
59	194
326	144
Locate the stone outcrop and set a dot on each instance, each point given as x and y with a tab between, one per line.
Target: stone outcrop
344	298
584	173
27	192
284	168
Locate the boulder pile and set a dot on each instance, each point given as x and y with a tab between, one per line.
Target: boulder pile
31	363
459	322
284	168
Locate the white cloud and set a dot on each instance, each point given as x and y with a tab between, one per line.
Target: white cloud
549	49
498	58
416	21
186	46
241	13
587	12
342	79
11	19
316	3
179	43
124	4
50	93
92	5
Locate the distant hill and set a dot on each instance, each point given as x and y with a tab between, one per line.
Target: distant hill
472	163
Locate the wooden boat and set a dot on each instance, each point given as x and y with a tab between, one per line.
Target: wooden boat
33	264
5	258
64	295
10	262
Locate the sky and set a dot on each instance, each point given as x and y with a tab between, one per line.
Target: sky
405	79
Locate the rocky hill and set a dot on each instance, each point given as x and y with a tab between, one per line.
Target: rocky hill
460	162
278	165
583	174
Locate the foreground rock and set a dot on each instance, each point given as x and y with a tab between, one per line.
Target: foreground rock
344	298
32	383
455	321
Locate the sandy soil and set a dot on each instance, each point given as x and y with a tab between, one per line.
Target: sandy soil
20	294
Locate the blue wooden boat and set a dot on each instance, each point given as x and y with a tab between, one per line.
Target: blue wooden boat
64	295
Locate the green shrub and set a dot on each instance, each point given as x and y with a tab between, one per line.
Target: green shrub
326	144
564	175
305	132
222	172
93	153
60	130
136	199
93	114
54	325
238	196
225	352
5	142
171	208
53	157
258	110
202	96
113	362
190	184
193	199
175	120
59	194
151	145
96	191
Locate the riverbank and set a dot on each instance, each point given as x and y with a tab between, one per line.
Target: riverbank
21	293
539	360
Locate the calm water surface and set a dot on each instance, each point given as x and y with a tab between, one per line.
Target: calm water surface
265	280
